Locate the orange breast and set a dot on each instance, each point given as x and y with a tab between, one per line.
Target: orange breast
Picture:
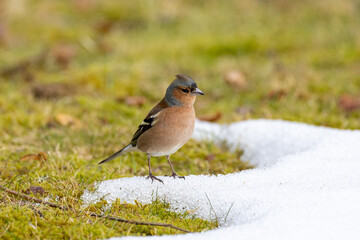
172	130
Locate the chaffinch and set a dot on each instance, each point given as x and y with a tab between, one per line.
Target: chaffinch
168	126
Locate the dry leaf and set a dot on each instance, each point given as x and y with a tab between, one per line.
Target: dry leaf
133	100
210	157
349	103
63	54
35	190
210	118
235	79
192	211
41	156
276	94
68	121
104	27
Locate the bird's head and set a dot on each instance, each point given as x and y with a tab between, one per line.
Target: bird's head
182	91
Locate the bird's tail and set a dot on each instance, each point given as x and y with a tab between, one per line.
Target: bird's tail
126	149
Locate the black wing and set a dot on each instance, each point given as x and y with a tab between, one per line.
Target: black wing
149	121
143	127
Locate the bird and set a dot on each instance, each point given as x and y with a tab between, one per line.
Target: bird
168	126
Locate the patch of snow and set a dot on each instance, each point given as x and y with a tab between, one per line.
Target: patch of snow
306	184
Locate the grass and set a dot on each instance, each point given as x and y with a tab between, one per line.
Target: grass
298	58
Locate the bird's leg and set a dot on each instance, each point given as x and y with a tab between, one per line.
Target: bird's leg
151	176
172	169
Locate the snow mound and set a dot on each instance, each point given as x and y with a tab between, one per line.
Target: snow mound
306	185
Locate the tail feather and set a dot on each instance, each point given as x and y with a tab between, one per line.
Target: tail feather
126	149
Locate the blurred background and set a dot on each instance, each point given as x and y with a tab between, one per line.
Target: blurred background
78	76
295	60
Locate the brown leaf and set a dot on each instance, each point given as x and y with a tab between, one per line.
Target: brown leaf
133	100
193	210
276	94
349	103
41	156
210	157
235	79
104	27
53	90
68	121
35	190
210	118
63	54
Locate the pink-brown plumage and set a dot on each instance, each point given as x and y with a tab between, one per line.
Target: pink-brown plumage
172	130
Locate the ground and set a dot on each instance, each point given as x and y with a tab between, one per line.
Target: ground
77	77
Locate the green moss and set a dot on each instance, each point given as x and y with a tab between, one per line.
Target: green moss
26	220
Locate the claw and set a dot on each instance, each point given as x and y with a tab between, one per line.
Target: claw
174	175
152	177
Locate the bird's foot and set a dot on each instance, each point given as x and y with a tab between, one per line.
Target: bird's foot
152	177
174	175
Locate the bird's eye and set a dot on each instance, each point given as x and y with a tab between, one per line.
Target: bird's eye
185	90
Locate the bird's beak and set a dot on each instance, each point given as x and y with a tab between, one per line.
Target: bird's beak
197	92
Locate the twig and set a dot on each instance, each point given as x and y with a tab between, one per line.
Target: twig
26	204
90	213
